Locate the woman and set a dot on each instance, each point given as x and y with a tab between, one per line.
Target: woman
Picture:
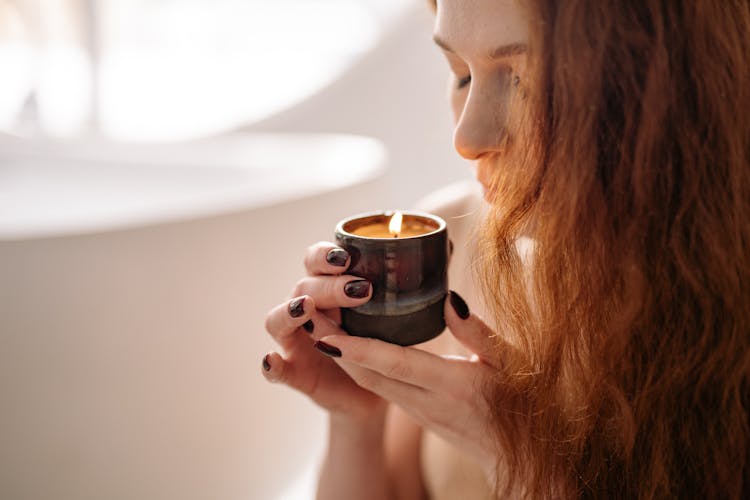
613	138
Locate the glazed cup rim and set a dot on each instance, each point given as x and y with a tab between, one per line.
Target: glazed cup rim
388	213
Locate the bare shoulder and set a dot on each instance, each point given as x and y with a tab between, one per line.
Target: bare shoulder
461	205
453	200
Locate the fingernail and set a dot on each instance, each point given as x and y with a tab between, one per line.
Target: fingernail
357	289
308	326
337	257
297	307
459	305
327	349
266	363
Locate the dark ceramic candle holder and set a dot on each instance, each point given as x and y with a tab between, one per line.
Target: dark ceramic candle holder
408	275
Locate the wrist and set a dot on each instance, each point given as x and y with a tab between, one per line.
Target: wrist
362	429
355	457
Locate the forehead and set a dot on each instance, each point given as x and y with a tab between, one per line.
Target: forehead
468	25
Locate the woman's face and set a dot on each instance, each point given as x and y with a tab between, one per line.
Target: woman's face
485	43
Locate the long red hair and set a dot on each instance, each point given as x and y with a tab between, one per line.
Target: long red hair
629	371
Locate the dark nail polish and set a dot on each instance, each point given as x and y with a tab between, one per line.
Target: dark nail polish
357	289
297	307
266	363
327	349
337	257
308	326
459	305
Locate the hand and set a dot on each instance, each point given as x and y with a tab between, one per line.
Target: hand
442	393
313	313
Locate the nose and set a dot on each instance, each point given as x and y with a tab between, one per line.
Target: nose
481	128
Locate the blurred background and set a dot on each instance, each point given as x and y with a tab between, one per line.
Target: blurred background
163	166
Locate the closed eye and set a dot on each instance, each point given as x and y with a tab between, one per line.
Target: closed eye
463	82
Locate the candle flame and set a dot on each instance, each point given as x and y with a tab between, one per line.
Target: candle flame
394	227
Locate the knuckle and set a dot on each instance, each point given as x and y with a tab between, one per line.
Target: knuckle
335	287
399	369
300	287
395	371
369	381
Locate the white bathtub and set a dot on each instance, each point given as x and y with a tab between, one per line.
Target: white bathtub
133	283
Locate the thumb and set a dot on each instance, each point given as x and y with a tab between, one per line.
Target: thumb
471	330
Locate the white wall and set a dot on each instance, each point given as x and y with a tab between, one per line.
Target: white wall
398	94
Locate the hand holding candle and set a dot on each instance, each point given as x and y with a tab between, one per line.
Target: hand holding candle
405	257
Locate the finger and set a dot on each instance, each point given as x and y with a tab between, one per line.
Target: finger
462	376
333	314
284	319
272	367
404	364
335	291
417	402
320	325
409	397
316	380
471	330
326	258
276	369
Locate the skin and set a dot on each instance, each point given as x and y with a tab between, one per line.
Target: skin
481	105
437	392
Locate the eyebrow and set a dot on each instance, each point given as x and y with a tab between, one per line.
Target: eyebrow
512	49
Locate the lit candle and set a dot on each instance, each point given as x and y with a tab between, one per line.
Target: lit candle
405	257
395	227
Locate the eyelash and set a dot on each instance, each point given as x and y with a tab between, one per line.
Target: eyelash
463	82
